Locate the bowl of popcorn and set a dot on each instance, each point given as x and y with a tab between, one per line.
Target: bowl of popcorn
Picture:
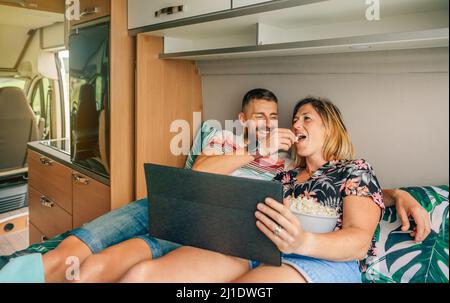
314	216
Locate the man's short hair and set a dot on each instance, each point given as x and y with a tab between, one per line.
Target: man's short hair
258	94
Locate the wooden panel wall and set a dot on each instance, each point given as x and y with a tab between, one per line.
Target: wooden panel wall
167	90
122	121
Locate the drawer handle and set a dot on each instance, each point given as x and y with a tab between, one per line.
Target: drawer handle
46	202
170	10
90	11
46	162
44	239
80	180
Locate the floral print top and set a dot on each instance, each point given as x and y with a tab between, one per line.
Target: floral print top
332	183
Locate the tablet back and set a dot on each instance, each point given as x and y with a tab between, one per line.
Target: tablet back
210	211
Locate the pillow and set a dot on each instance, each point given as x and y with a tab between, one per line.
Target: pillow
400	259
25	269
39	248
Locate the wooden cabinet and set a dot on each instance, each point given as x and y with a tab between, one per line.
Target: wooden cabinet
293	27
144	12
61	199
159	103
92	9
36	236
47	215
90	199
74	200
58	187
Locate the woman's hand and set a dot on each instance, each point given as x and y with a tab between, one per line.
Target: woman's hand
407	207
281	226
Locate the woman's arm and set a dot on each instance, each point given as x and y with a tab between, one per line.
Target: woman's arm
352	242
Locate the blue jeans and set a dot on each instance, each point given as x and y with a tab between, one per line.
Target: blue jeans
126	223
321	271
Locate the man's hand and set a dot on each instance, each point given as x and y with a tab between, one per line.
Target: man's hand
408	207
279	139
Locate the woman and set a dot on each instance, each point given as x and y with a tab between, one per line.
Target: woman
326	172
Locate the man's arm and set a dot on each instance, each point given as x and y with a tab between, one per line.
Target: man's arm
214	161
407	207
222	164
389	196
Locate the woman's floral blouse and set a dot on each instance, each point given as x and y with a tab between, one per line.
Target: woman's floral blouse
332	183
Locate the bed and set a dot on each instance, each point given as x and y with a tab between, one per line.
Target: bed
399	260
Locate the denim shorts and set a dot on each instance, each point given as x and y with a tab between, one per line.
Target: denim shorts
126	223
321	271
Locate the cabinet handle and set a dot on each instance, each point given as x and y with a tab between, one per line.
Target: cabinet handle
90	11
46	202
80	180
46	162
170	10
44	239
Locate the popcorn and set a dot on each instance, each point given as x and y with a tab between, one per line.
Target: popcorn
309	206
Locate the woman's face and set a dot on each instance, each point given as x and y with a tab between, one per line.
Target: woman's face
309	128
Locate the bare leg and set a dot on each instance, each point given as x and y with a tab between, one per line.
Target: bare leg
272	274
112	263
55	261
188	265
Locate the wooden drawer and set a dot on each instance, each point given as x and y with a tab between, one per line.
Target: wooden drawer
91	199
51	179
47	216
36	236
92	9
143	12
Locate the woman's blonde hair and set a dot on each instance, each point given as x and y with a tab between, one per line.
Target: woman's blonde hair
338	145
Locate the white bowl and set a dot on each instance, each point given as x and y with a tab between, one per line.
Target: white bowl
316	224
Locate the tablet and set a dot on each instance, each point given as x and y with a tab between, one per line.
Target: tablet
210	211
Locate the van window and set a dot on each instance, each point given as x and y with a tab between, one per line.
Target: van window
13	82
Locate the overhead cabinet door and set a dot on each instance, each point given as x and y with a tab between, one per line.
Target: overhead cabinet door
144	12
241	3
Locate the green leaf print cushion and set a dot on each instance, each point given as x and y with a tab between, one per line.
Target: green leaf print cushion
400	259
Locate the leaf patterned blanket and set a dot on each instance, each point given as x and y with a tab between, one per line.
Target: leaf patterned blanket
399	260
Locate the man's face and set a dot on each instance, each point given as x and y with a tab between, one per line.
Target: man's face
260	116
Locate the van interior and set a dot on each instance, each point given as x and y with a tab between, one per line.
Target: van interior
90	90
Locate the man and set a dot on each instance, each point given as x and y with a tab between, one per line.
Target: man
113	243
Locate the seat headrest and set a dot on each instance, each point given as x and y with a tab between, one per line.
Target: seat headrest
13	103
87	115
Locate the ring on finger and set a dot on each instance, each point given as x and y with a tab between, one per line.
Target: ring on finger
278	230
